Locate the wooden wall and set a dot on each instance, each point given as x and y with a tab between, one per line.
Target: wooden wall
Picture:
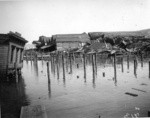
3	58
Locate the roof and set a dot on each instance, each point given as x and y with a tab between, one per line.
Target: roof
46	46
3	38
7	37
71	37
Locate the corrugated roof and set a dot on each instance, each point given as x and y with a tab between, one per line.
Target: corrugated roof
72	37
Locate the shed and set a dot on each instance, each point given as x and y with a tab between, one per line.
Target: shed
11	51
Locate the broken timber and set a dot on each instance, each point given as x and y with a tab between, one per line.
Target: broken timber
139	90
33	112
131	94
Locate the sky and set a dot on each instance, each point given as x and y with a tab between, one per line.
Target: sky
34	18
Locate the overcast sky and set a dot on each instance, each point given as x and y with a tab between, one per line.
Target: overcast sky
47	17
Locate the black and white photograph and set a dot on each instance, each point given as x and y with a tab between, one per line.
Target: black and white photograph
74	58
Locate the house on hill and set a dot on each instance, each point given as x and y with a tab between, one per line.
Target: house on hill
70	41
11	51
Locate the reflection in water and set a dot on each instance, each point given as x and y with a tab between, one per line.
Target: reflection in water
72	87
13	97
36	67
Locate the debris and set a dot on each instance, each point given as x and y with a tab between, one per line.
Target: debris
143	84
139	90
131	94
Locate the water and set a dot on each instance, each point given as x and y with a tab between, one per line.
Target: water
86	91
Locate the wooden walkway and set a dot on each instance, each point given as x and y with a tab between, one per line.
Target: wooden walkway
33	112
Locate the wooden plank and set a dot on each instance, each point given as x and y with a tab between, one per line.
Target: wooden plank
139	90
37	111
131	94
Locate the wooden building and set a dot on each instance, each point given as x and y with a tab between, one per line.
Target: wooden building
70	41
11	52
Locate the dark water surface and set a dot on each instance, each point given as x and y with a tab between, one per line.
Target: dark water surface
82	91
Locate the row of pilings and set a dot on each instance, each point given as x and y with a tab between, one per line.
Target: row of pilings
66	61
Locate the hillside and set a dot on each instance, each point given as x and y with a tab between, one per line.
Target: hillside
144	33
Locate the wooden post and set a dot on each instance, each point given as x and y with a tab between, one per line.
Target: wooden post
48	74
95	63
149	69
57	66
42	57
54	63
93	71
128	61
51	62
93	68
141	60
135	66
63	65
84	62
49	81
67	62
115	72
122	64
70	63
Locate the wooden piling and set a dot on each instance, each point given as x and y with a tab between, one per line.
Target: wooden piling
141	60
115	72
63	65
54	63
149	69
128	61
37	111
84	65
95	63
135	67
70	63
57	66
122	65
93	68
48	74
51	62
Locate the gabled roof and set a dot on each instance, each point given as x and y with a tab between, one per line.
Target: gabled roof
71	37
7	37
